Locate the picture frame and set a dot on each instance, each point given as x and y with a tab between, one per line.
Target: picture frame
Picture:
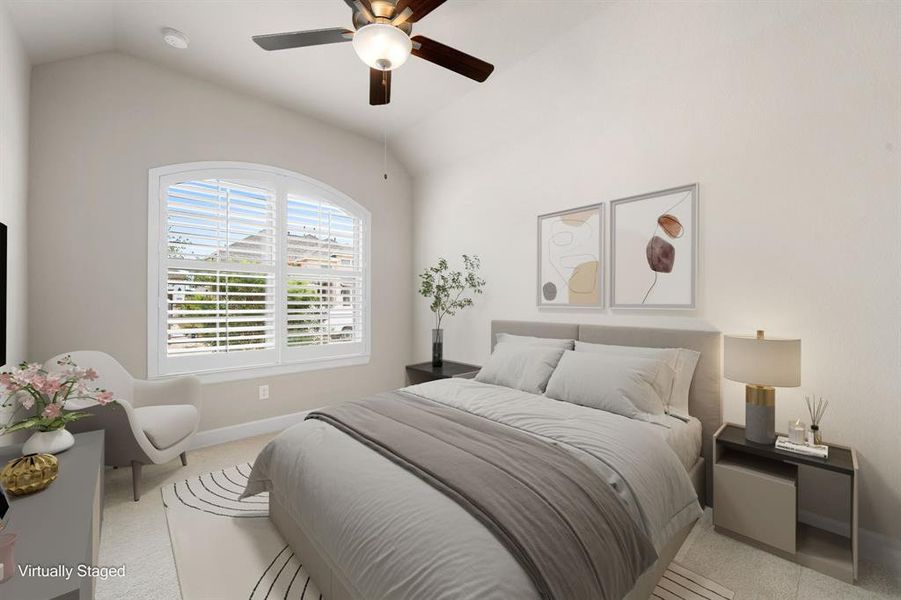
649	236
571	268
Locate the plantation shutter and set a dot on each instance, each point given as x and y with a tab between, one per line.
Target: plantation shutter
324	278
254	267
220	269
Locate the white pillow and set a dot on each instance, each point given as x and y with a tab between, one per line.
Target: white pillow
508	338
685	372
625	385
681	360
520	366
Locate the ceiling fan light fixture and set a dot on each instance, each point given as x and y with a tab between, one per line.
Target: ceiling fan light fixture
382	46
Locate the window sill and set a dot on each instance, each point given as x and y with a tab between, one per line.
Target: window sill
332	362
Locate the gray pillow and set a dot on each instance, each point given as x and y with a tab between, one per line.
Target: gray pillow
681	360
621	384
508	338
520	366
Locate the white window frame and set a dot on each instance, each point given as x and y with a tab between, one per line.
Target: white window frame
232	366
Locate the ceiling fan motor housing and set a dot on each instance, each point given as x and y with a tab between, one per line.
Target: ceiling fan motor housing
359	20
383	8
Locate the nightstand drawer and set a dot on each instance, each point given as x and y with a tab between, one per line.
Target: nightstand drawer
757	499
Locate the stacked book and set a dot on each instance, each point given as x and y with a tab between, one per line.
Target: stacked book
783	443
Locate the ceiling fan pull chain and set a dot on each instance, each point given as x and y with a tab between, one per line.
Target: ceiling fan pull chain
385	128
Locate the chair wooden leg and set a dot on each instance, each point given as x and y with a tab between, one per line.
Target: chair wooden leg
184	458
136	479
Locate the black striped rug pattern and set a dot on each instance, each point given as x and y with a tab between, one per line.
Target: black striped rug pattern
217	493
285	578
678	583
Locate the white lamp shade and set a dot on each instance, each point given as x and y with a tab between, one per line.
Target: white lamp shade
767	361
382	46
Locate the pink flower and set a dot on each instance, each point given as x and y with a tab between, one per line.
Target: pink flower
6	380
90	375
52	410
26	400
37	382
52	384
104	397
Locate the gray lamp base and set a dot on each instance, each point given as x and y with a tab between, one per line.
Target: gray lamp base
760	424
760	414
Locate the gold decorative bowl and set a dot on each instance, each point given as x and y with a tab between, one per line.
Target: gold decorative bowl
29	474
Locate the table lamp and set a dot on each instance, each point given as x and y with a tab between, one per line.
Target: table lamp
763	364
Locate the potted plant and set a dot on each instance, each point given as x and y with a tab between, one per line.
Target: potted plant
445	290
33	388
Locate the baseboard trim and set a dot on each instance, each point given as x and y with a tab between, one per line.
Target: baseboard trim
211	437
874	546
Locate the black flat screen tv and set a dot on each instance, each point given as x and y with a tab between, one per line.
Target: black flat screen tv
2	294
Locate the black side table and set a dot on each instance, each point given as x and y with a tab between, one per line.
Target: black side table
423	372
755	499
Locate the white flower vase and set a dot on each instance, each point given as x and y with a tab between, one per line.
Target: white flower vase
48	442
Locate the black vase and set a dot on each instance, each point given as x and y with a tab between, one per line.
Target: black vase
437	347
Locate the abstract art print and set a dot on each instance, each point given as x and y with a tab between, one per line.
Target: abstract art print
653	257
570	258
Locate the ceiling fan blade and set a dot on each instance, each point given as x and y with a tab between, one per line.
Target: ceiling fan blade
299	39
379	87
420	8
449	58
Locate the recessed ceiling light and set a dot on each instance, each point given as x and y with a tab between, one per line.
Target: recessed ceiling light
175	38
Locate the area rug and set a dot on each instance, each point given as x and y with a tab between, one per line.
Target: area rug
678	583
228	548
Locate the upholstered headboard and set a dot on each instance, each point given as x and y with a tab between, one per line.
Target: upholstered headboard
704	400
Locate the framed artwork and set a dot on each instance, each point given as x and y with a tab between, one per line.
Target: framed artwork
654	249
570	258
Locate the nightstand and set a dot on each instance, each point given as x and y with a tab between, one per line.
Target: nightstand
755	500
423	372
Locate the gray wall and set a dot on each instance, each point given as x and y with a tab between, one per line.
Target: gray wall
98	123
14	87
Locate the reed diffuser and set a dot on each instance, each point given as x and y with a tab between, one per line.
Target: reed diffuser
817	408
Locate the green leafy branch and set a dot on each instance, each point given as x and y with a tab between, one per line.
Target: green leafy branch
445	288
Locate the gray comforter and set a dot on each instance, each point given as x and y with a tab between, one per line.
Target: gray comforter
565	526
392	535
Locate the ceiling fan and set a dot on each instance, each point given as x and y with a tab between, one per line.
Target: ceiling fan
382	40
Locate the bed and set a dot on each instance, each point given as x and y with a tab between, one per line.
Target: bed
368	528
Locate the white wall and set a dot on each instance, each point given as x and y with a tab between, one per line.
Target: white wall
14	87
98	124
789	117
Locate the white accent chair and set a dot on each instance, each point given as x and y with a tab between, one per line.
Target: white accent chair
152	423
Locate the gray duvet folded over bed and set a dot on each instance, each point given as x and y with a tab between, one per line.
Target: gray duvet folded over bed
565	526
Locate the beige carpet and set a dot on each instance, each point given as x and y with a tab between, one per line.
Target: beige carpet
136	534
227	548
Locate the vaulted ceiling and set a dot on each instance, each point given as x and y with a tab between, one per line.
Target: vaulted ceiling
326	82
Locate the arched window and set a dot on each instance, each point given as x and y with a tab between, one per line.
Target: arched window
252	266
